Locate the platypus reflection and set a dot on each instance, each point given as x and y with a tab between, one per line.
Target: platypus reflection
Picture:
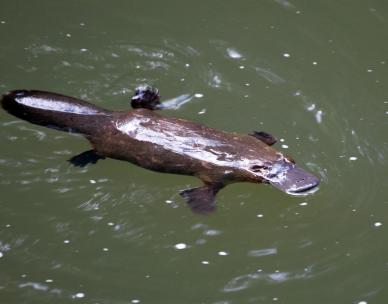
173	145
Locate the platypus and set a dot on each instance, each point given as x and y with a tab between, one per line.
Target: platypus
145	138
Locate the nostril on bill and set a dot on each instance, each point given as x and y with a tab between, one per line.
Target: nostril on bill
295	181
303	185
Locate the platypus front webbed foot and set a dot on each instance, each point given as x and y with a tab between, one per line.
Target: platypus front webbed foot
146	97
265	137
85	158
202	199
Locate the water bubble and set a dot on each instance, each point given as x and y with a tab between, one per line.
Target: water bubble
205	262
232	53
377	224
223	253
198	95
79	295
286	55
180	246
212	232
352	158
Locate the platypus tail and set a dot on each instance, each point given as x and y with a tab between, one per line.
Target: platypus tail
52	110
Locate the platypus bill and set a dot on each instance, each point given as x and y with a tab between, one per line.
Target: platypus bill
173	145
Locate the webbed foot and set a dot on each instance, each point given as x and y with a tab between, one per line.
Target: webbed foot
85	158
202	199
264	137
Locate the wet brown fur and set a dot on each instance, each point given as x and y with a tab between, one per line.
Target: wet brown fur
150	140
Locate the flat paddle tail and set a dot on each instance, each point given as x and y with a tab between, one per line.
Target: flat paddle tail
52	110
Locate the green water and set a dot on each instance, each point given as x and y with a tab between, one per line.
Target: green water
313	73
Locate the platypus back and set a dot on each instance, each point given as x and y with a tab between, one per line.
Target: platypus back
52	110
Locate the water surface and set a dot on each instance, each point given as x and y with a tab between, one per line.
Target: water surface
314	74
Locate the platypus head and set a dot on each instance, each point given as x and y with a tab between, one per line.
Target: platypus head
288	177
146	97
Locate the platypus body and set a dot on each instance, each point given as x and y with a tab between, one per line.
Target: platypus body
147	139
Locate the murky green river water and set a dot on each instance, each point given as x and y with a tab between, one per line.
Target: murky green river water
313	73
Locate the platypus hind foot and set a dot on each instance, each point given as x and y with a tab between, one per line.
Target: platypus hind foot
264	137
85	158
202	199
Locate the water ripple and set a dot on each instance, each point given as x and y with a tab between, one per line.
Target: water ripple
247	280
262	252
269	75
